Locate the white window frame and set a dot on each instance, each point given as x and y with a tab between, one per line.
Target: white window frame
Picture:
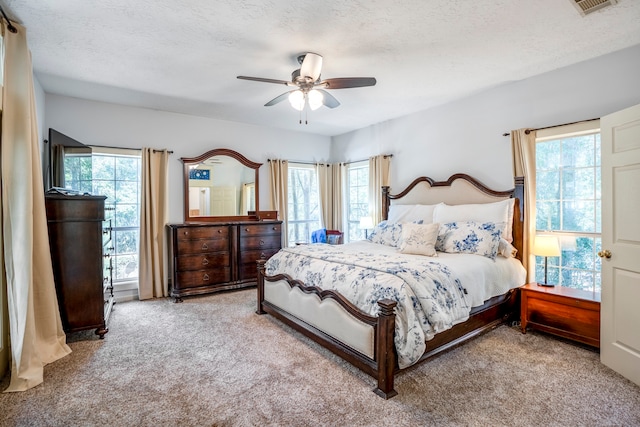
352	225
568	238
311	223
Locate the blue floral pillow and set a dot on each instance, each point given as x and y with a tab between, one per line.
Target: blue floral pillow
388	233
470	238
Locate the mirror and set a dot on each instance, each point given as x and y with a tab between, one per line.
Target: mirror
220	185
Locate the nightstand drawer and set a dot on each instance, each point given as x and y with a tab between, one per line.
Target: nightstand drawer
565	312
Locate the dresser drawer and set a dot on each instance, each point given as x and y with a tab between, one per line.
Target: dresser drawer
210	232
202	246
250	257
260	229
259	242
199	262
189	279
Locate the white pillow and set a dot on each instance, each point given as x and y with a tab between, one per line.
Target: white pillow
470	238
498	212
411	213
419	239
506	249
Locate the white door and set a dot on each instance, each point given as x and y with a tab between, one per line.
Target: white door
620	309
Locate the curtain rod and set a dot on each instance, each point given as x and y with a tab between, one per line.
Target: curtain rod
323	163
9	24
46	141
528	131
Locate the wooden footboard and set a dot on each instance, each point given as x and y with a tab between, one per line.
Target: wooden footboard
380	361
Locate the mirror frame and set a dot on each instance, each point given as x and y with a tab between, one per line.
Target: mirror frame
187	161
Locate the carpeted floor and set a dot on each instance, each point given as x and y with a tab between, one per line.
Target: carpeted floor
211	361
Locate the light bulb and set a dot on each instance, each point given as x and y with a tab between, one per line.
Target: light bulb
296	99
315	99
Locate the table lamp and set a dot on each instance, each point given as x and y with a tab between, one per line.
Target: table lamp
366	224
546	246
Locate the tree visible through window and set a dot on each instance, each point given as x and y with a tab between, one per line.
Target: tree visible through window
303	203
116	176
568	204
357	199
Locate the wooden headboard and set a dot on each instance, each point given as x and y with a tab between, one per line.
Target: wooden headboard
460	189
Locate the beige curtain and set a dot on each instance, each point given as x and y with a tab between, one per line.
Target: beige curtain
379	167
35	328
337	170
153	218
278	190
524	164
325	187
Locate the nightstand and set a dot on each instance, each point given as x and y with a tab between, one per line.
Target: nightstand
565	312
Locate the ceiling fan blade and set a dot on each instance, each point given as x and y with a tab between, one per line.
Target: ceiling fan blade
260	79
328	100
348	82
278	98
311	66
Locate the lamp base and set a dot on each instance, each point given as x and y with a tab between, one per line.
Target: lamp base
549	285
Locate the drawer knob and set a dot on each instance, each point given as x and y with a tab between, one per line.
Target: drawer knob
205	278
261	242
274	228
205	261
263	255
605	254
186	233
205	246
246	229
219	231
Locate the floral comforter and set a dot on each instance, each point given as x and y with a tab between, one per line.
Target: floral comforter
431	296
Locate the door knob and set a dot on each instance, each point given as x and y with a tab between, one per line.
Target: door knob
605	254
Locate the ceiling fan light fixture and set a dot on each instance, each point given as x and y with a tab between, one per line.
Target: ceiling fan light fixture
316	99
296	99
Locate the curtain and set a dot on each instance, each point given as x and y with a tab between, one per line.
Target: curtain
325	179
337	170
379	167
278	190
35	327
57	164
152	281
524	164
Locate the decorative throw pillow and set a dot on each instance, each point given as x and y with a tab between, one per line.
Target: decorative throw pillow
499	212
387	233
419	239
506	249
470	238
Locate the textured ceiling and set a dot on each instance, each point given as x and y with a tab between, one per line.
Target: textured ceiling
184	55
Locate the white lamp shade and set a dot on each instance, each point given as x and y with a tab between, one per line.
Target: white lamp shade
315	98
546	246
366	222
296	99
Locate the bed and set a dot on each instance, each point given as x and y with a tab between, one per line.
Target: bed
382	304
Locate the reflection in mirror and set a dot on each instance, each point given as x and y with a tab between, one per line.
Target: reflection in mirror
220	184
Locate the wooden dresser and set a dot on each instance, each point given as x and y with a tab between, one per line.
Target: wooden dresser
219	256
80	243
566	312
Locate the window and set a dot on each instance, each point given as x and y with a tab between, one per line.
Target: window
303	202
568	204
115	174
357	199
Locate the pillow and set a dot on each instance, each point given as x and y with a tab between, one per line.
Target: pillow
479	238
506	249
410	213
387	233
419	239
497	212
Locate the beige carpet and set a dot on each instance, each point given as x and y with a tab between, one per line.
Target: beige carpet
212	361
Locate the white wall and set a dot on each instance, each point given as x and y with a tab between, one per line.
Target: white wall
466	135
98	123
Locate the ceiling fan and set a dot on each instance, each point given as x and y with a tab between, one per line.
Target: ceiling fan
310	90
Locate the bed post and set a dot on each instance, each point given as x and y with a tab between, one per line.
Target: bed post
260	284
385	202
385	349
